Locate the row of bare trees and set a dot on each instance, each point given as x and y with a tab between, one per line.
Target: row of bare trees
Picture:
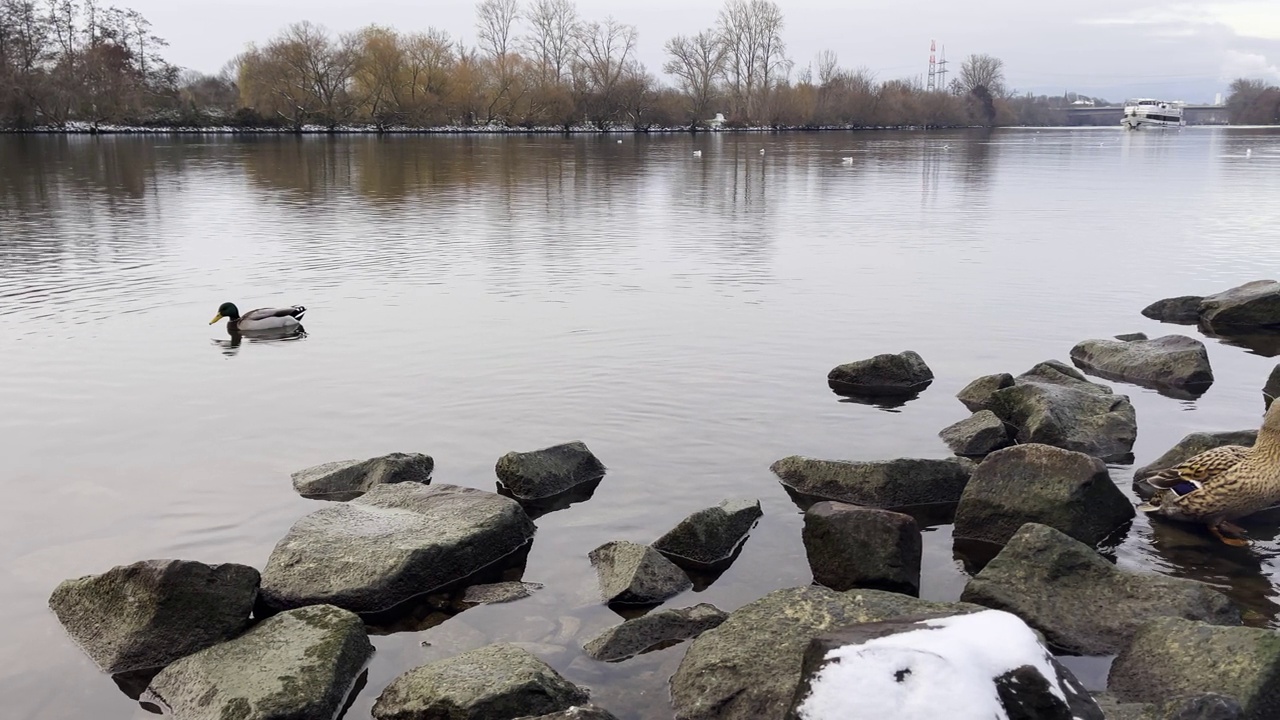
1253	102
63	60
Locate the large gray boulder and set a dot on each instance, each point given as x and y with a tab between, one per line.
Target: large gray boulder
495	682
1053	404
349	479
1172	361
298	665
1171	656
634	574
1181	310
545	473
1252	305
393	543
876	483
979	434
1066	490
150	613
978	394
849	546
1082	603
885	375
748	667
1192	445
1271	390
914	666
653	631
709	537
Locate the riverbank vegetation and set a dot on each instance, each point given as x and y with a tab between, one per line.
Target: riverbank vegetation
535	64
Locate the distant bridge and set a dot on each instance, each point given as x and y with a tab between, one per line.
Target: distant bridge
1111	115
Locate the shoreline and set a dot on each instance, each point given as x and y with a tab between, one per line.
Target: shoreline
83	129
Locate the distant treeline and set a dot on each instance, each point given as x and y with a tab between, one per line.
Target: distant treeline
66	63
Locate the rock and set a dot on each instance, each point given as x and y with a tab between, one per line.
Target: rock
849	546
633	574
297	665
876	483
709	537
1173	657
977	395
748	667
577	712
393	543
938	667
1192	445
1205	706
498	592
1181	310
548	472
494	682
150	613
1082	603
1271	390
1130	337
1053	404
884	375
349	479
1172	361
1066	490
976	435
653	631
1252	305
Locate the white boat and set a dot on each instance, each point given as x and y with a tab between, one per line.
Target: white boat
1150	113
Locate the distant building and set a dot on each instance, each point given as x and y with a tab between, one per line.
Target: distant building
1084	102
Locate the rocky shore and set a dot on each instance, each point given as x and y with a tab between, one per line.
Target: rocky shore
1030	482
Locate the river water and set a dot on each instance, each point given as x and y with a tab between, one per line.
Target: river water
468	296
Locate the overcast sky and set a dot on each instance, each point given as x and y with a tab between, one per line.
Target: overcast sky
1096	47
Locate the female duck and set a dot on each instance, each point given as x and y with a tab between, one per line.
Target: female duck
260	319
1222	484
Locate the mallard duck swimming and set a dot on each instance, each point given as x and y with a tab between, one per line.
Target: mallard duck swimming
1222	484
260	319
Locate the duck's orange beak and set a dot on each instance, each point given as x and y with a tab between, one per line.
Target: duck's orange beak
216	318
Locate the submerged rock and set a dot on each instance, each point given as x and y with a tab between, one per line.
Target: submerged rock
849	546
653	631
1172	657
710	537
1192	445
151	613
1052	404
585	712
876	483
494	682
498	592
1172	361
544	473
349	479
1082	603
979	434
1252	305
1066	490
938	667
884	375
977	395
1271	390
1181	310
394	543
298	665
633	574
748	667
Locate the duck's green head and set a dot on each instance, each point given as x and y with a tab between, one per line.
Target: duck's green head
226	310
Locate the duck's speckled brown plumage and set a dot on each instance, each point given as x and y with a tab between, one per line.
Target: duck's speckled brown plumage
1234	481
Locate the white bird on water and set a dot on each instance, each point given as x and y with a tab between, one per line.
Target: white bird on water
761	151
1248	152
697	153
846	161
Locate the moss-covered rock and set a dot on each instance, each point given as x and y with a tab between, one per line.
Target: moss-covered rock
297	665
495	682
885	375
349	479
1172	361
150	613
544	473
634	574
653	631
709	537
877	483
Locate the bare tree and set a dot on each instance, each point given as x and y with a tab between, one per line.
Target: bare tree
982	71
495	22
429	65
604	54
552	38
752	32
698	63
